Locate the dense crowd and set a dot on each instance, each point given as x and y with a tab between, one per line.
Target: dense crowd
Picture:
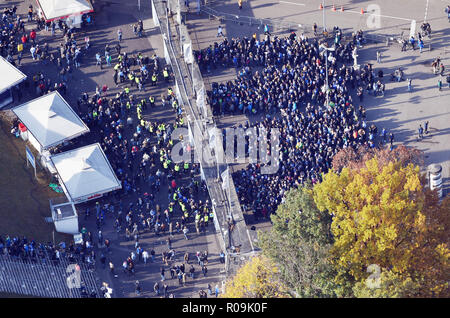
288	88
137	148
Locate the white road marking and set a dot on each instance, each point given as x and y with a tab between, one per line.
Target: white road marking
297	4
379	15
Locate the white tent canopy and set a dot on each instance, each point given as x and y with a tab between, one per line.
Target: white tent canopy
50	119
85	173
59	9
10	76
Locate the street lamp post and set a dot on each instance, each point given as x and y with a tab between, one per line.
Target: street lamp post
323	16
326	70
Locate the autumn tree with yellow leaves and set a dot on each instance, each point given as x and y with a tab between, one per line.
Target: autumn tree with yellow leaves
257	278
383	215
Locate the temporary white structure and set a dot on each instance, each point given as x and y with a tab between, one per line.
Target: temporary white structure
50	121
64	9
10	76
85	173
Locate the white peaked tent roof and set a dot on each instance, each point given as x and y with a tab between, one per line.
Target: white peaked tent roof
54	9
9	75
50	119
85	171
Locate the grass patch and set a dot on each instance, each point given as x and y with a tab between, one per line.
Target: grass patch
24	200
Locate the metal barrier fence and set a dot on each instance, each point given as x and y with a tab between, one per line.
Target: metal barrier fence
43	276
192	96
281	25
275	25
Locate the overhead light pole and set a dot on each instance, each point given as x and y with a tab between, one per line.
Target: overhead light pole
323	16
326	70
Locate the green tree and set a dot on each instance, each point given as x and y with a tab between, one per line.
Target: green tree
299	243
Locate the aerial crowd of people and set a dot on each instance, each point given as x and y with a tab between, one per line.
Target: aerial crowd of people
287	89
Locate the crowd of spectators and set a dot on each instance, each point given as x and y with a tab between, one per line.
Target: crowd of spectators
283	79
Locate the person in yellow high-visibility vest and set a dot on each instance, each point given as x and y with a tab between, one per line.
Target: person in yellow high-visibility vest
154	79
186	166
143	123
206	219
169	91
166	165
177	169
127	90
166	74
152	101
170	142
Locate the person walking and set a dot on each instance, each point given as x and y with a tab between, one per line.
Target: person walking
156	288
145	256
185	231
240	4
378	57
111	268
391	139
119	35
165	288
220	31
412	41
209	288
420	132
421	45
426	127
33	52
137	288
103	260
216	290
98	57
409	84
439	84
162	274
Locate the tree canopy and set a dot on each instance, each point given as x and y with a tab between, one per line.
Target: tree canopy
383	215
370	228
258	278
299	243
